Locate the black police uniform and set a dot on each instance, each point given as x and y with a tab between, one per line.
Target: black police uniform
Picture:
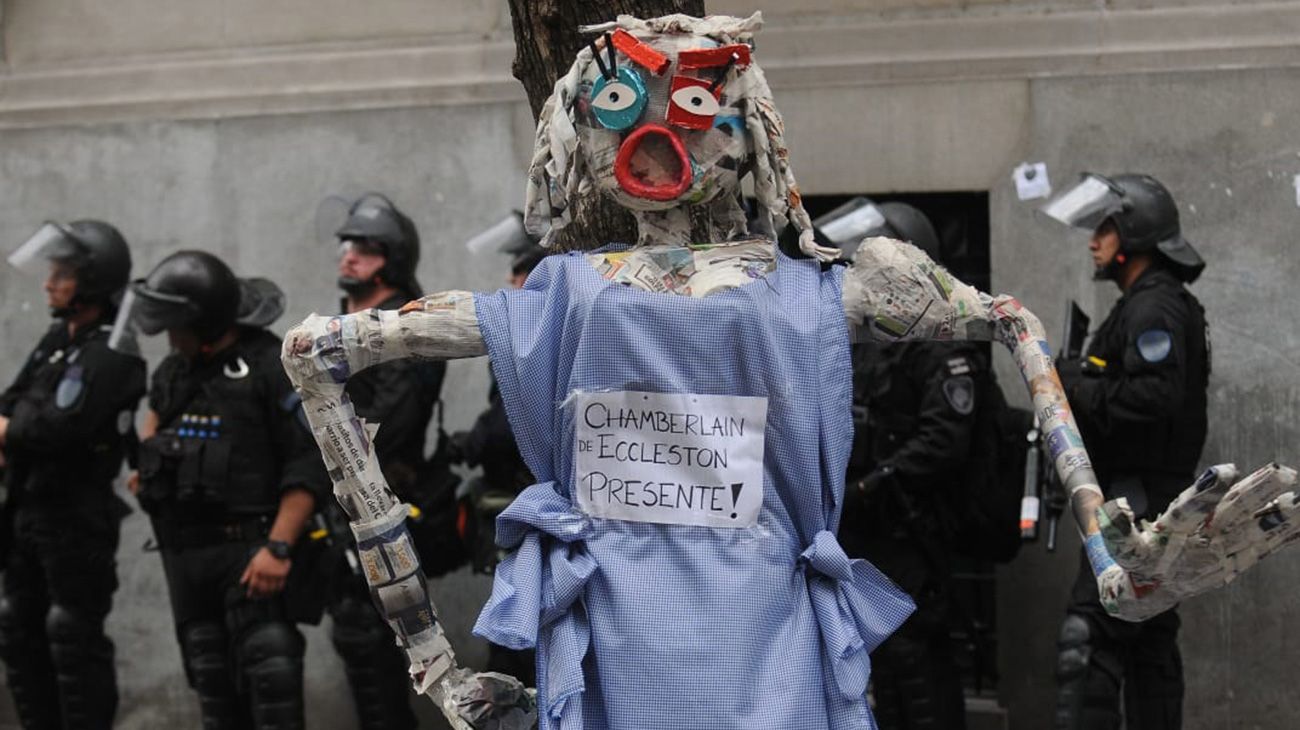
919	404
1143	419
490	444
400	396
231	439
71	413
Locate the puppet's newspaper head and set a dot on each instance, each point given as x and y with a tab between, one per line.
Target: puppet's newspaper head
658	114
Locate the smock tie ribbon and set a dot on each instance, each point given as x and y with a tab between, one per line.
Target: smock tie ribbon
535	594
857	608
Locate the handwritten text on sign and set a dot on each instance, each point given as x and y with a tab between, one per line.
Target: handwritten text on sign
670	458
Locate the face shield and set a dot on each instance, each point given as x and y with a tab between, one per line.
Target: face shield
149	312
1088	204
849	224
52	241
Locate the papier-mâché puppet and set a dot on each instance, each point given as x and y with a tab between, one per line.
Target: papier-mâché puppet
685	407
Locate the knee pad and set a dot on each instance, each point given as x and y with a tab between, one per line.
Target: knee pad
76	639
1074	648
16	635
358	635
270	655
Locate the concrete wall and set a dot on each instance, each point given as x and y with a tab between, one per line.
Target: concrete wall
224	124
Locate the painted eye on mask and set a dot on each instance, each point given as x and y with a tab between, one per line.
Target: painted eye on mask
694	103
696	100
619	100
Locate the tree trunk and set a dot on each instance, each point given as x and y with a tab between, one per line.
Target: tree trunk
546	42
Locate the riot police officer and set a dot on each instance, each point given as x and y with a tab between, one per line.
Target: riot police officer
229	475
1139	397
379	251
915	410
65	425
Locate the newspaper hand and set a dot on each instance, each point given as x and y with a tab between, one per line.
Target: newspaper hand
1211	533
314	356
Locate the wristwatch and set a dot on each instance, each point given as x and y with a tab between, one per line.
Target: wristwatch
278	549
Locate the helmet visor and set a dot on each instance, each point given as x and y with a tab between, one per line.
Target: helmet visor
1088	204
52	241
152	311
849	224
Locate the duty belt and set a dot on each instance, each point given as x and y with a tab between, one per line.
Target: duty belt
172	536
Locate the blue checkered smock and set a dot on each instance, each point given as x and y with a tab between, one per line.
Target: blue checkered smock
647	626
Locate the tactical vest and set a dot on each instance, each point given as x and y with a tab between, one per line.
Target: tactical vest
57	382
216	454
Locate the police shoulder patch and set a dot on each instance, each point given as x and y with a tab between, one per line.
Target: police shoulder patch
1154	345
70	388
960	394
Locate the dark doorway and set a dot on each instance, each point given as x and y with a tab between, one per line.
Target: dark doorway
960	218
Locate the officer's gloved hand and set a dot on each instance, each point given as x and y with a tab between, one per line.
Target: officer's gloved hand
1209	534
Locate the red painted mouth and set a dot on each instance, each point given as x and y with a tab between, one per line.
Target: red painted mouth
652	163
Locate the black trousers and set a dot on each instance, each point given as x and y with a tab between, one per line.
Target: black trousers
59	581
243	656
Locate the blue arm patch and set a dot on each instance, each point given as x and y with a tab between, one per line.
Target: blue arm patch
1155	345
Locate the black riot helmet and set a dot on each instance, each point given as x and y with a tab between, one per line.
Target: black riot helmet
374	220
191	290
1144	215
95	250
860	218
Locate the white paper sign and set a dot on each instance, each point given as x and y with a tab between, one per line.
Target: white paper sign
670	458
1031	181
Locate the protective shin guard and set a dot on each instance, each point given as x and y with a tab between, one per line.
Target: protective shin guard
1088	680
270	656
30	672
83	662
206	647
376	669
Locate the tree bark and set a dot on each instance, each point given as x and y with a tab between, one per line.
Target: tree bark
546	42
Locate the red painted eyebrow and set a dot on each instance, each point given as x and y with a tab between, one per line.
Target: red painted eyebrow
640	52
713	57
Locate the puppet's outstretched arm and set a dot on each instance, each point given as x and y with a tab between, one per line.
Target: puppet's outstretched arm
320	355
1207	536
